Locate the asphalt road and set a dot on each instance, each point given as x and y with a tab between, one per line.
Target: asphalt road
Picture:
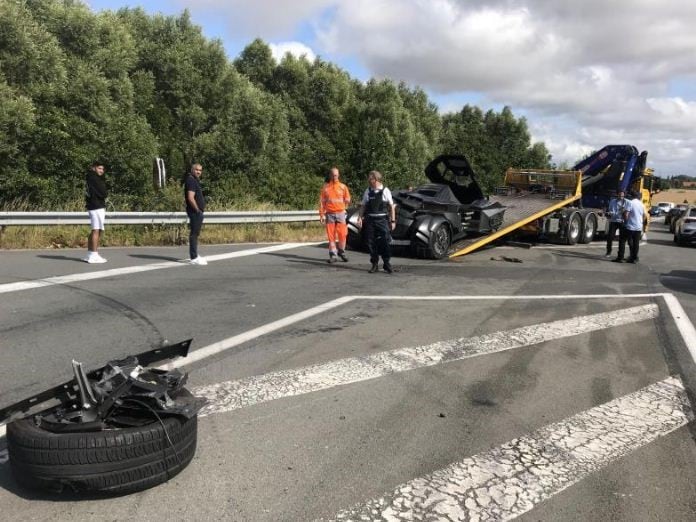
544	383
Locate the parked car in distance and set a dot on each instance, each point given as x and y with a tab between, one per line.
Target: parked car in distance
672	216
656	211
685	227
665	205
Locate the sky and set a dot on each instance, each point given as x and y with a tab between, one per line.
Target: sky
583	73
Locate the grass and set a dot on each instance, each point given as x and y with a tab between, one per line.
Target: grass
42	237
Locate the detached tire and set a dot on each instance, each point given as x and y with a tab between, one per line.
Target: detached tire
113	461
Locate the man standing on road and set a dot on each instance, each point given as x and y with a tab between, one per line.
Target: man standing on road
635	221
96	193
195	205
378	212
617	205
333	200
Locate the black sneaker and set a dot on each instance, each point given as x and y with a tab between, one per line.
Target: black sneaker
388	269
333	258
374	268
618	260
343	256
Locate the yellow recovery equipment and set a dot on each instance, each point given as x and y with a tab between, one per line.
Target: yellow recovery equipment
528	195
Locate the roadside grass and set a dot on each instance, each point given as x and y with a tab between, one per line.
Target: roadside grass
71	236
41	237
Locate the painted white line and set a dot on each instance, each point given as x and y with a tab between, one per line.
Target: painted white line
231	395
684	325
499	297
510	480
75	278
226	344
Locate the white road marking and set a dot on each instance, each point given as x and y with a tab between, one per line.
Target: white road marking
75	278
221	346
511	479
684	325
231	395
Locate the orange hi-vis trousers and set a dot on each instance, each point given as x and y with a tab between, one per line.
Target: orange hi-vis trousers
337	229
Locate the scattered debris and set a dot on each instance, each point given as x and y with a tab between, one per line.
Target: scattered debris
119	429
506	258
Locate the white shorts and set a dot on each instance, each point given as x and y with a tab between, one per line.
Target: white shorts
96	218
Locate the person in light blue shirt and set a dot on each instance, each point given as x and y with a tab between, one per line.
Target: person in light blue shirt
634	220
615	212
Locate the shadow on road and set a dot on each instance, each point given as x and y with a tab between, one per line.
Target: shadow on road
61	258
150	256
680	281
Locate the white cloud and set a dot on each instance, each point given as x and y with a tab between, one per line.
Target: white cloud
585	74
297	49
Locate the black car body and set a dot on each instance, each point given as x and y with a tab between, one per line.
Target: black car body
432	216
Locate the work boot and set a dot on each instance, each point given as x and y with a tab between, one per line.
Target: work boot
332	258
374	268
343	256
388	268
618	260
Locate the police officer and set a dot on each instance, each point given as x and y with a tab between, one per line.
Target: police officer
378	213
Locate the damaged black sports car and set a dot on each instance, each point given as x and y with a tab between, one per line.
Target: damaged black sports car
433	216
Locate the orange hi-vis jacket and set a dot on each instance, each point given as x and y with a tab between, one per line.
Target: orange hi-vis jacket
334	198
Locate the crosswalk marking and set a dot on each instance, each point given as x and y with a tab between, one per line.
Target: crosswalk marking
511	479
231	395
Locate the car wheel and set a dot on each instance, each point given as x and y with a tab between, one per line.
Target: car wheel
574	228
589	229
117	460
440	240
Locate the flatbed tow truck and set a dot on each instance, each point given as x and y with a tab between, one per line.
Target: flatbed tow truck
566	207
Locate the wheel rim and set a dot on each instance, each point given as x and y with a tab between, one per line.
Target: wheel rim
574	228
441	243
590	228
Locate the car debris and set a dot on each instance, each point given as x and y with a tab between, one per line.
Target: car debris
118	429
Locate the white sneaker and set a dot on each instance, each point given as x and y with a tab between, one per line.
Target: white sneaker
95	258
199	261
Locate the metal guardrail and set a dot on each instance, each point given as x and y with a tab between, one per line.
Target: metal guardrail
155	218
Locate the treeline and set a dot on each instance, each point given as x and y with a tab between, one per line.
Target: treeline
126	87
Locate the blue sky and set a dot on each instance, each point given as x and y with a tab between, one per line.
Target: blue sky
584	74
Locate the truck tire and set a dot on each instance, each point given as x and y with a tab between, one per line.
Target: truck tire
112	461
589	229
573	232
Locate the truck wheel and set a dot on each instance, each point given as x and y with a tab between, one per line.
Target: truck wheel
574	229
589	229
112	461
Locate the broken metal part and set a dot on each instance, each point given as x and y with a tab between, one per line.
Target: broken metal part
70	394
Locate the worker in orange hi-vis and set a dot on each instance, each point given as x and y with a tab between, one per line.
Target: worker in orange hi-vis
333	201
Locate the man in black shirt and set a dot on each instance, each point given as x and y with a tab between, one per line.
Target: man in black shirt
96	206
195	205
